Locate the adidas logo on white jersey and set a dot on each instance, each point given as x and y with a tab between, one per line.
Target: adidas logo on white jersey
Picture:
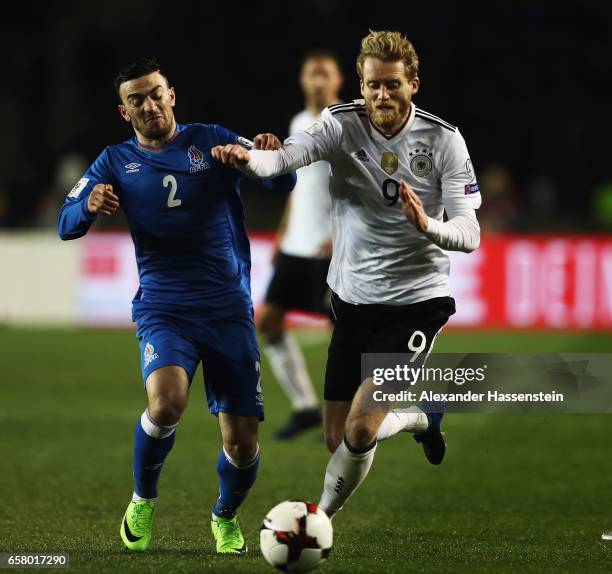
361	155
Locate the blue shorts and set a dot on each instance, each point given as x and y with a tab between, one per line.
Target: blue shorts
227	348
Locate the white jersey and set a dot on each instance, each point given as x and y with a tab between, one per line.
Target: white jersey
309	224
378	255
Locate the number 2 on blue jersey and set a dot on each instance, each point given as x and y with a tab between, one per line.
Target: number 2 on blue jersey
170	180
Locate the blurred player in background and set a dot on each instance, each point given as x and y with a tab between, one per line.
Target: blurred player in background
390	161
302	253
194	302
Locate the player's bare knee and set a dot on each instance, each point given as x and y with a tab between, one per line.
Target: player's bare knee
167	393
164	414
242	452
239	435
167	411
359	431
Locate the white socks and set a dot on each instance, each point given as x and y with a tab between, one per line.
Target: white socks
287	363
136	498
153	428
237	464
412	419
345	471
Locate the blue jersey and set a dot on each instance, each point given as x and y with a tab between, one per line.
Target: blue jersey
185	217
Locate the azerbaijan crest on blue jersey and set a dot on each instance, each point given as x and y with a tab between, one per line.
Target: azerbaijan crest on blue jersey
196	159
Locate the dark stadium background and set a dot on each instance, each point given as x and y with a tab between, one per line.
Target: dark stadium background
525	82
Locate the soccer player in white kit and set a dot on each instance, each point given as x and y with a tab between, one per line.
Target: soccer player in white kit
391	162
303	253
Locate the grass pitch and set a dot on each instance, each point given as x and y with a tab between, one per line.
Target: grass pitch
527	493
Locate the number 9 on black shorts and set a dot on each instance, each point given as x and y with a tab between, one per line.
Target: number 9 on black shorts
378	329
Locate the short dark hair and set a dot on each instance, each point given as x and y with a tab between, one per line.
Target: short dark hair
322	54
141	67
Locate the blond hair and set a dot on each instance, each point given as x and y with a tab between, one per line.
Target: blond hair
388	47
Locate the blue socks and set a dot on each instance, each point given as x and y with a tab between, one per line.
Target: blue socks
152	443
235	481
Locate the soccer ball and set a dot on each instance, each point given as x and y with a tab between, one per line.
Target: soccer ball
296	536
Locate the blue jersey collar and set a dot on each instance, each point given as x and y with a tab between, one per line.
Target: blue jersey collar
179	129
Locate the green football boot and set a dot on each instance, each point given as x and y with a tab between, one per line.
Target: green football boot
228	535
137	525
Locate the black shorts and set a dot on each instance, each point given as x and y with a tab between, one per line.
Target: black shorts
299	283
376	329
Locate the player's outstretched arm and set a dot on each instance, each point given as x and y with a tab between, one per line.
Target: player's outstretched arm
76	217
460	233
265	163
283	183
301	149
237	155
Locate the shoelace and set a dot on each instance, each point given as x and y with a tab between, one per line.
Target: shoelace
142	518
229	529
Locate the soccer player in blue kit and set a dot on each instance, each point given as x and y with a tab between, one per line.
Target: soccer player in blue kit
194	302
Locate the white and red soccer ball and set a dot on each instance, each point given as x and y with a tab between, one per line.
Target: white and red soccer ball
296	536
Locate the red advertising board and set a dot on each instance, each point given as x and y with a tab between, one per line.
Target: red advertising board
511	281
555	282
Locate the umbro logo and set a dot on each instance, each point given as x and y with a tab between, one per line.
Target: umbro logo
361	155
132	167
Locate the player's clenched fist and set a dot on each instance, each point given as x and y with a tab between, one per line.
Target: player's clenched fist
267	142
102	199
413	207
231	154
